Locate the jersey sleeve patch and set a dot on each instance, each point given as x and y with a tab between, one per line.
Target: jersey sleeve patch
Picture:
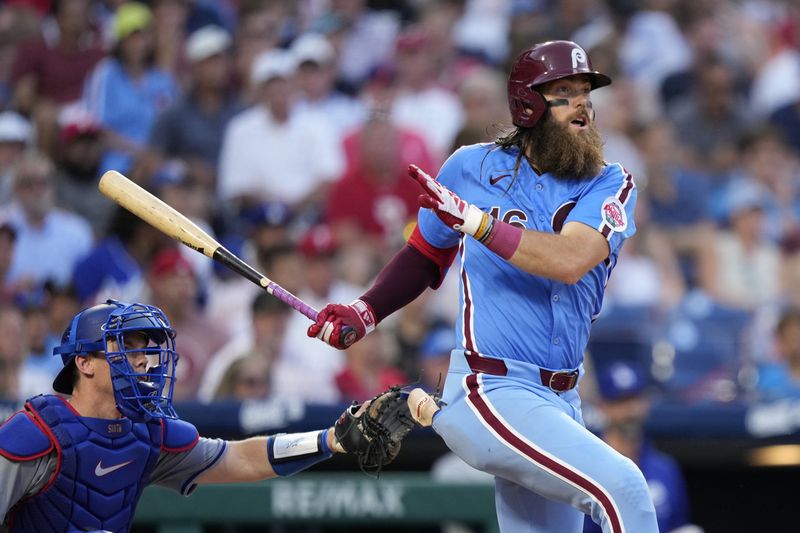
614	215
21	439
179	435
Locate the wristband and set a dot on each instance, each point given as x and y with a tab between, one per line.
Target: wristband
290	453
366	314
502	238
485	229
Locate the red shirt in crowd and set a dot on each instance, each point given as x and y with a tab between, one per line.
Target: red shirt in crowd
376	205
59	71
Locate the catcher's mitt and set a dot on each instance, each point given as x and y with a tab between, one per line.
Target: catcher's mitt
375	433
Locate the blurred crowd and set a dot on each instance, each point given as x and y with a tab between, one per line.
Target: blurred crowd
284	129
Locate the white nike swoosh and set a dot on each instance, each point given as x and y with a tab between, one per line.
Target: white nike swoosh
99	471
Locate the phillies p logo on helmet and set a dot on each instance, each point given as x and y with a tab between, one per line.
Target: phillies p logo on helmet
539	64
578	57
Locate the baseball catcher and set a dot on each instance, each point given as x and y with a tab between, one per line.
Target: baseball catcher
79	462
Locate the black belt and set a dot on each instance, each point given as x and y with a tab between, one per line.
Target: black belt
559	381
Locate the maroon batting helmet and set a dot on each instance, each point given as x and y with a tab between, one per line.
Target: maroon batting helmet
539	64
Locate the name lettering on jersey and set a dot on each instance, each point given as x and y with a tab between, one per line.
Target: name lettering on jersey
115	428
515	217
614	214
578	57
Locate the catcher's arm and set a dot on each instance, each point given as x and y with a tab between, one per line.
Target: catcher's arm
284	454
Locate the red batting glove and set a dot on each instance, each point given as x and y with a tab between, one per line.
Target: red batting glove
333	318
452	210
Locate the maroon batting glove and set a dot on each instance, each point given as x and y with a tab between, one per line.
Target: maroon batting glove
341	325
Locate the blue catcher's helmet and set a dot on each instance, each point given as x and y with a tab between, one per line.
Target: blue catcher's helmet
139	396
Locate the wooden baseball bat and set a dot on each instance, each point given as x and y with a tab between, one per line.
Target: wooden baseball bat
166	219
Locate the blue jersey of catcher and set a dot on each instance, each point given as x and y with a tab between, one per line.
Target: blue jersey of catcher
506	312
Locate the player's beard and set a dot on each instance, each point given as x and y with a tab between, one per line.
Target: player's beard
565	154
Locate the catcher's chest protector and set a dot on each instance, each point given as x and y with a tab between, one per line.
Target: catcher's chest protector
104	465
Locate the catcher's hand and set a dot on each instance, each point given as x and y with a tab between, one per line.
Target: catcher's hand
374	433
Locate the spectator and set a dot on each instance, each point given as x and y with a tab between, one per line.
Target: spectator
176	183
711	119
625	405
649	274
780	377
50	69
18	23
652	46
619	121
246	379
307	368
705	33
170	22
15	137
768	163
419	101
192	128
174	289
263	339
270	142
678	200
372	200
126	92
115	265
39	368
368	371
349	24
50	240
410	327
262	27
267	224
78	151
12	351
316	78
482	94
776	80
62	305
434	356
262	228
8	237
742	267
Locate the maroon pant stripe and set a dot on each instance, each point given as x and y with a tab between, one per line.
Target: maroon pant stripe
469	344
517	443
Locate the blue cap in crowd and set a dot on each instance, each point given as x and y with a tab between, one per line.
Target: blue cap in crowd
270	213
440	341
174	172
621	379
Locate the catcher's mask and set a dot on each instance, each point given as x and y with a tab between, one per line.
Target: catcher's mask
549	61
139	396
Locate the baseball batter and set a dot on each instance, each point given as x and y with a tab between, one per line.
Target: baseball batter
538	220
80	464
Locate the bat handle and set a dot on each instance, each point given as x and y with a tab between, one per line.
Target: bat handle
349	334
293	301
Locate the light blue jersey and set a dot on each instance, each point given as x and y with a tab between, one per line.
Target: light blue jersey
510	404
506	312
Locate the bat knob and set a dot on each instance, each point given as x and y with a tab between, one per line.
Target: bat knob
349	336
